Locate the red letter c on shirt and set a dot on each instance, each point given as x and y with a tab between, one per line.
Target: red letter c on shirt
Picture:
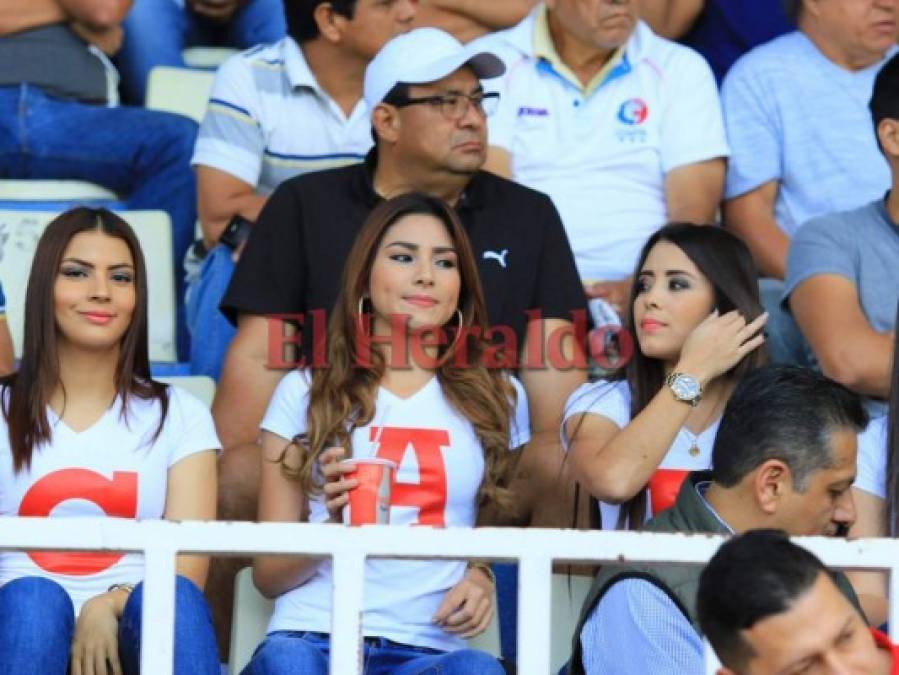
117	497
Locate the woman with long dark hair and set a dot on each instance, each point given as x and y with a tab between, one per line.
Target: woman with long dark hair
434	409
695	312
86	432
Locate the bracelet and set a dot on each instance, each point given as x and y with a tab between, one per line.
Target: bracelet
485	568
128	588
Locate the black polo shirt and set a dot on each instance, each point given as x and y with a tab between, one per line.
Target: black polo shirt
294	257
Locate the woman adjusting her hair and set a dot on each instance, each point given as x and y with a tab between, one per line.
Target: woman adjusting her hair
695	312
86	432
389	393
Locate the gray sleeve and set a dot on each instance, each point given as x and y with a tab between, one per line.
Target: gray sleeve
822	246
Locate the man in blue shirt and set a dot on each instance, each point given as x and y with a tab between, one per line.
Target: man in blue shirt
800	135
784	458
841	282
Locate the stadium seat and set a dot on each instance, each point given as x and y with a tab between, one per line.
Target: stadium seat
201	386
53	191
179	90
207	58
568	595
19	233
252	611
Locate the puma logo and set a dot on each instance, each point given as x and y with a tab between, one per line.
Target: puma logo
498	257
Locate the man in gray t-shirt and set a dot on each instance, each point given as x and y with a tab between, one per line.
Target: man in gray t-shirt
842	280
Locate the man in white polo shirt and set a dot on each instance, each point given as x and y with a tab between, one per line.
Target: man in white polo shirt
622	128
277	111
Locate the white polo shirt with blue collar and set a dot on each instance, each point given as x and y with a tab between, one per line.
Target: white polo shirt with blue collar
601	151
268	120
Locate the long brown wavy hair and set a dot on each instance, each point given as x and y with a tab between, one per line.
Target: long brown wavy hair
342	395
725	261
25	394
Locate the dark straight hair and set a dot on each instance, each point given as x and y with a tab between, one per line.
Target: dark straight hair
26	393
725	261
892	448
752	576
300	16
787	413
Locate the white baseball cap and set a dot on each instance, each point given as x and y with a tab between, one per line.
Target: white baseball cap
421	56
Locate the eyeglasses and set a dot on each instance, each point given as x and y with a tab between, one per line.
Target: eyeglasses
454	106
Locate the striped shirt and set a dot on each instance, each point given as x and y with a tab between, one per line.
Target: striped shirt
269	120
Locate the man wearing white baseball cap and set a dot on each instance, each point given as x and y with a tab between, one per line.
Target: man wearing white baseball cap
423	56
429	113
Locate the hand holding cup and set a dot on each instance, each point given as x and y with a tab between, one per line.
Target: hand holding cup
337	486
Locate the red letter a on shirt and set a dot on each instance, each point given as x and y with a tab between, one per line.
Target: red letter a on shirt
429	494
117	497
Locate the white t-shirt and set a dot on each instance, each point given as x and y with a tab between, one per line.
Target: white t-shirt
612	400
602	156
113	469
441	466
872	458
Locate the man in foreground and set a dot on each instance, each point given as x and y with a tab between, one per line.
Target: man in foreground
770	607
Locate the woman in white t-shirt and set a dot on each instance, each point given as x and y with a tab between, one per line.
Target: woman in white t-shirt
85	432
695	312
445	419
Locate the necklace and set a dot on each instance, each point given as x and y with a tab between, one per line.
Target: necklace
694	438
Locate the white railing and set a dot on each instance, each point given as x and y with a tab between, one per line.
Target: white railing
534	549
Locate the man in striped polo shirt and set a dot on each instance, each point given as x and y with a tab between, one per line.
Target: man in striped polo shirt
277	111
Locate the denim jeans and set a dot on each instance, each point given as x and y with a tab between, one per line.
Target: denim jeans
785	341
37	622
210	331
288	652
143	154
157	30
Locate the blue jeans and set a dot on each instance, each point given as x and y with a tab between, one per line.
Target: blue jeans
37	622
210	330
785	341
289	652
143	154
157	30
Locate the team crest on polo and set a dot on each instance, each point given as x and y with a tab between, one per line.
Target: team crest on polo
633	112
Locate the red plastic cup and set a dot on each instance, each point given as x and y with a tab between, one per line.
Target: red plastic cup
663	488
370	500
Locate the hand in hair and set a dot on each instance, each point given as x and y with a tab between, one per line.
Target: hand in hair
718	343
95	646
467	607
336	488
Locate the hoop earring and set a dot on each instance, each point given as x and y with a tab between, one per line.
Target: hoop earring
360	324
459	330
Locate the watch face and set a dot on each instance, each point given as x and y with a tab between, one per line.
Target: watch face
686	388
